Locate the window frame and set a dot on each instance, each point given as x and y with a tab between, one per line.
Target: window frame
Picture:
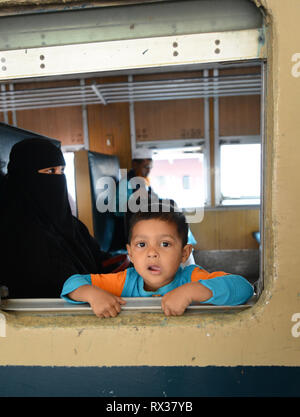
243	139
238	140
187	58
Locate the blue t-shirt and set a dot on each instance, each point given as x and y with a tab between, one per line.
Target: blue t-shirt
227	289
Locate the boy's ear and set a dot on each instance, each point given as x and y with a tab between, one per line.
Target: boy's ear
128	250
186	251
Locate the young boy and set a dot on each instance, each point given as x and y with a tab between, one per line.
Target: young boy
157	247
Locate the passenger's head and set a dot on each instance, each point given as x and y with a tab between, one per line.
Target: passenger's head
31	156
38	194
142	162
158	244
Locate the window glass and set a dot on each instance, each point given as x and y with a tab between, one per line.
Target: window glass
183	174
240	173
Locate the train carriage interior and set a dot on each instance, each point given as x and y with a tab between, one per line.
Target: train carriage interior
203	122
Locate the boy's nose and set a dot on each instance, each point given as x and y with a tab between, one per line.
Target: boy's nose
152	253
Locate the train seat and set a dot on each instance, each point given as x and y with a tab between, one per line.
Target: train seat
109	230
243	262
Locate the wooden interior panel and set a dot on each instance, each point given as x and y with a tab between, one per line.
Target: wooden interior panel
107	80
34	85
62	123
240	70
239	115
169	119
227	229
109	131
168	76
83	189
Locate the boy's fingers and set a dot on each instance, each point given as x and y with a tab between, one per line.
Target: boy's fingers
172	312
110	311
166	310
112	308
117	307
113	313
106	314
117	304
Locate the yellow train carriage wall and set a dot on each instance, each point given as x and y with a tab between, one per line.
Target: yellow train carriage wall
250	352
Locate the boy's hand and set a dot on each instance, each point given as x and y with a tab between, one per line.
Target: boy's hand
103	303
175	302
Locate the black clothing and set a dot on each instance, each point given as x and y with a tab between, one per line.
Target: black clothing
43	244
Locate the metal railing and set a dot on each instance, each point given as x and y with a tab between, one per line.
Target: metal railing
12	99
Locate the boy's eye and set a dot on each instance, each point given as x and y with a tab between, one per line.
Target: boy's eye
165	244
141	244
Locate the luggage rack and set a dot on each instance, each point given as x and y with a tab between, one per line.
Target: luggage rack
12	99
134	304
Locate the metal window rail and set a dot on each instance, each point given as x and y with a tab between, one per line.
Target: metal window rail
134	304
131	91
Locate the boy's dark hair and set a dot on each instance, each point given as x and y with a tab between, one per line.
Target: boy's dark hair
166	211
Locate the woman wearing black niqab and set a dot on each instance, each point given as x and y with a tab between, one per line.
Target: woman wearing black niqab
43	243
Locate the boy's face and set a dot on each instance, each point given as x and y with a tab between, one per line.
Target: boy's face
156	252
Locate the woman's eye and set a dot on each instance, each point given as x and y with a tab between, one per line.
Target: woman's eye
49	171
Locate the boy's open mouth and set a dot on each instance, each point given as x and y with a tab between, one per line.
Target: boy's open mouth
155	269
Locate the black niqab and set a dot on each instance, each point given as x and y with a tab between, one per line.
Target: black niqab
43	243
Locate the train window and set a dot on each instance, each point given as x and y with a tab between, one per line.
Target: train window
240	173
183	173
70	178
191	92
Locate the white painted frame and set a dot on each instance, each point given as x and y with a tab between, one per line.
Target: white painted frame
132	54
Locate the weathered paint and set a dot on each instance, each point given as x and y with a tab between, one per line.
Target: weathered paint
260	336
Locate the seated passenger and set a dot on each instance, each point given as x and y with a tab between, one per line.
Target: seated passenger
141	167
42	243
157	247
